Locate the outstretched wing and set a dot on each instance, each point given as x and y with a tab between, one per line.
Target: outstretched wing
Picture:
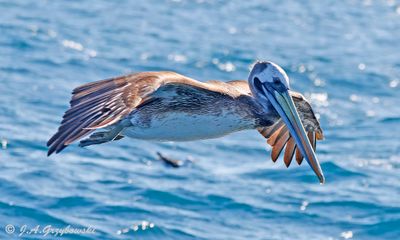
278	134
103	103
100	104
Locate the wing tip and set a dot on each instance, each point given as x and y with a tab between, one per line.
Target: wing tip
51	150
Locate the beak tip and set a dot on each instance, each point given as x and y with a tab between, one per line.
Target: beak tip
321	179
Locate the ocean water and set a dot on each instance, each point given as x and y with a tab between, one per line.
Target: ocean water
344	56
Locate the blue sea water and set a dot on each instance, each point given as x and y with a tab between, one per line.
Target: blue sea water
343	55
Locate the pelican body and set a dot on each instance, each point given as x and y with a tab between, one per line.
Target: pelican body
186	114
167	106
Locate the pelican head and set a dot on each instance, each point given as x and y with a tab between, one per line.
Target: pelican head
270	86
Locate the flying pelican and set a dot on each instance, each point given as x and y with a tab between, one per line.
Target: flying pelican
167	106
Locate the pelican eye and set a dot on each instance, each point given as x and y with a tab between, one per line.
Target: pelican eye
276	80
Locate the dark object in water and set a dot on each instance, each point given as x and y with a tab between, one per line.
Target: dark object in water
169	161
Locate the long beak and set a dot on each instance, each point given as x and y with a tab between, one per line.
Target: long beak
284	105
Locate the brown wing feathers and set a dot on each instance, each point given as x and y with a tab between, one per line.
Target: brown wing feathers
93	105
289	151
299	156
279	144
268	131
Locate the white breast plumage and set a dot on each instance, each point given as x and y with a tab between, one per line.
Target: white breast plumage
181	126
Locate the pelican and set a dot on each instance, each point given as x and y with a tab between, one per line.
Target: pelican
167	106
